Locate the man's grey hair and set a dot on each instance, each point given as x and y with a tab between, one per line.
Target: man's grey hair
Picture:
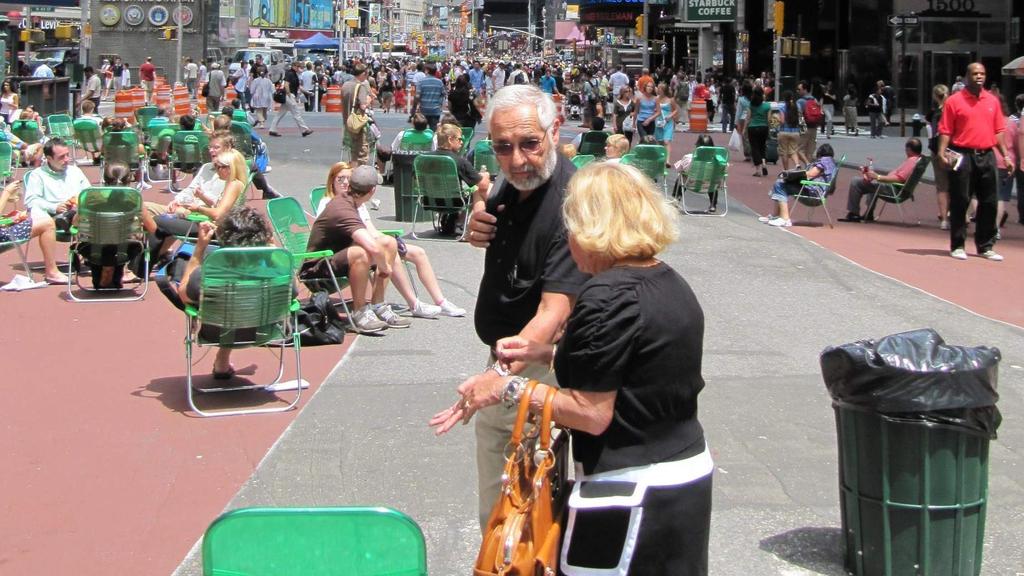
523	95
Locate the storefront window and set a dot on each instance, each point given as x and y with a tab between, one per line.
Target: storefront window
992	32
949	32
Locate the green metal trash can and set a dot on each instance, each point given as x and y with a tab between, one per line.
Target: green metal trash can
405	195
914	417
913	496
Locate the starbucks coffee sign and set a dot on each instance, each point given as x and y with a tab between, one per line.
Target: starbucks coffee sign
710	10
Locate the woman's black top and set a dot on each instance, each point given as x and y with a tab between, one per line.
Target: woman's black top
460	104
639	331
621	112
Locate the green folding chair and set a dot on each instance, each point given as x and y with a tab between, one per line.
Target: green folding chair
316	195
467	137
144	115
897	193
592	142
438	188
6	161
581	160
109	224
61	126
89	136
292	230
650	159
27	131
247	300
706	177
122	147
189	151
484	157
814	193
160	138
239	116
416	141
354	541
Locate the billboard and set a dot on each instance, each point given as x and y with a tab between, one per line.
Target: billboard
304	14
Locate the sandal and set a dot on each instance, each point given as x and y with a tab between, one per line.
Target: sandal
57	280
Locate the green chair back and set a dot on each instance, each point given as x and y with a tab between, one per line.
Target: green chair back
707	170
290	224
109	215
314	542
467	137
416	141
906	192
246	289
581	160
190	147
27	131
240	116
6	156
592	142
315	196
242	135
144	115
438	184
60	125
89	135
121	147
161	136
484	157
650	159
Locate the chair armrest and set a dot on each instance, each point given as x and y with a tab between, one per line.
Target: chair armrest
6	221
396	232
814	183
295	306
191	311
73	230
314	255
193	217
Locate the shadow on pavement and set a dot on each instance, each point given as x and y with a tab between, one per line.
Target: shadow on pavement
924	252
818	549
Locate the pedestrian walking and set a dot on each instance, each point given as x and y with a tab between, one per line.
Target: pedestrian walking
191	76
215	87
972	124
147	77
291	104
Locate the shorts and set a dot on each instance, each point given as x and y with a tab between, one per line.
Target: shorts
16	232
319	274
789	143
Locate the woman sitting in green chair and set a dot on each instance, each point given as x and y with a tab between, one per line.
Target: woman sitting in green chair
19	225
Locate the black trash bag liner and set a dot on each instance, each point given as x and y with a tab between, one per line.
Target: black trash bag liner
916	376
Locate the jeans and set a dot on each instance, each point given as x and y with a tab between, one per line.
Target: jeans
876	124
728	117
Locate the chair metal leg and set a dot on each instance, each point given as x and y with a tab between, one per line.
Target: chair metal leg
24	261
415	218
348	312
824	206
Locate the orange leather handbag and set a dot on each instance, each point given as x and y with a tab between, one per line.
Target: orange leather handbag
524	531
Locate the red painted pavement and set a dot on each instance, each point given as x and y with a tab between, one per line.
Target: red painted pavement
105	469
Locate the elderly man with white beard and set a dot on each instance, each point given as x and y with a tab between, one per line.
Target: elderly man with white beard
530	281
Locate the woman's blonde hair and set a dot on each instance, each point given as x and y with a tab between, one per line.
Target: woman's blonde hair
619	143
616	212
332	174
234	158
939	93
446	131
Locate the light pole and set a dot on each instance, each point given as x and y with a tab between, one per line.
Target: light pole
177	73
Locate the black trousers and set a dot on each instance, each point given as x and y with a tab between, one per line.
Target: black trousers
758	136
976	177
1019	175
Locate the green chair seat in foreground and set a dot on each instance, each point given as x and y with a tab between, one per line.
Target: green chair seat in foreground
650	159
814	193
350	541
108	232
247	300
706	177
439	189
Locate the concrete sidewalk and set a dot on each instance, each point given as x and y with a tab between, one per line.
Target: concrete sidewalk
772	301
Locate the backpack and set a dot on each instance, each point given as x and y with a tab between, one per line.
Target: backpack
812	112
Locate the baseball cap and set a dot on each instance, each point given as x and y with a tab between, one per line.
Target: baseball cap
363	179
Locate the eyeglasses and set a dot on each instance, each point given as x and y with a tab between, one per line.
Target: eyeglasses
531	146
219	166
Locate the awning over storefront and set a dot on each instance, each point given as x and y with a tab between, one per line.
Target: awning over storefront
1015	68
318	42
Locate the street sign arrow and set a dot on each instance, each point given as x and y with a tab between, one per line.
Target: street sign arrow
904	21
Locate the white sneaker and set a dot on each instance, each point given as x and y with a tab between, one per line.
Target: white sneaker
366	321
959	254
779	222
764	219
424	310
991	255
388	316
944	225
449	309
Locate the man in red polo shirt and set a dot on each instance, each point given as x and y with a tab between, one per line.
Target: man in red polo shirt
147	77
972	124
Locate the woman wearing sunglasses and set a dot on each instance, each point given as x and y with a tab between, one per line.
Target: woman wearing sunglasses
449	143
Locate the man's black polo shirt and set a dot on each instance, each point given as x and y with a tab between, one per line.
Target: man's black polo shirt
528	255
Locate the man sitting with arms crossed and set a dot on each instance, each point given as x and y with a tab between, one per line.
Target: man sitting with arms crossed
868	185
51	191
340	229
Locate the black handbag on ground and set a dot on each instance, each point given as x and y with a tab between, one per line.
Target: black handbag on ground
319	322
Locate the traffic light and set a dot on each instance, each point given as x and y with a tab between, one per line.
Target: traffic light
780	16
640	26
169	33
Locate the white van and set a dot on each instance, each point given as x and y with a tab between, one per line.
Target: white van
274	59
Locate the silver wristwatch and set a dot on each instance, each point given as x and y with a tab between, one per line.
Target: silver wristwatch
513	391
501	370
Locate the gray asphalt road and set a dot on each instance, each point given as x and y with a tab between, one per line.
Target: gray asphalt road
772	300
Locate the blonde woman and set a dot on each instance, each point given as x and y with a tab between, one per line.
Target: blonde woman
338	185
939	94
615	147
629	367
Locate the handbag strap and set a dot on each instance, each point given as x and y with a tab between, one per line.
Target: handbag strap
545	421
524	411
